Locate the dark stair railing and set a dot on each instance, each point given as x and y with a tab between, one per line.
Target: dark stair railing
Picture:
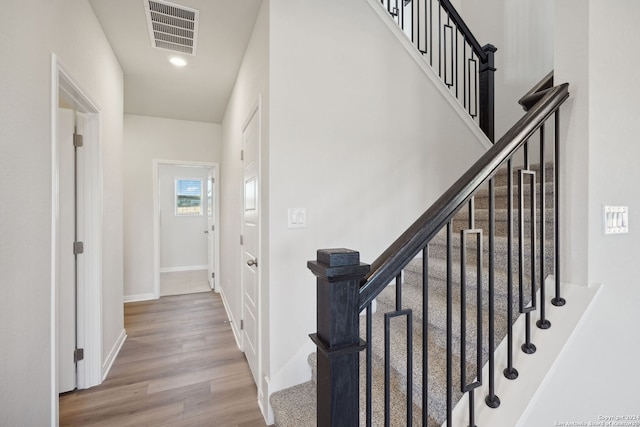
448	45
346	287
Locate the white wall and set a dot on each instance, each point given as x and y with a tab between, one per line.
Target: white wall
29	33
146	139
360	137
252	85
597	374
183	242
522	30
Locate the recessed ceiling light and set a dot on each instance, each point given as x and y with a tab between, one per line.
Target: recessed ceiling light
177	61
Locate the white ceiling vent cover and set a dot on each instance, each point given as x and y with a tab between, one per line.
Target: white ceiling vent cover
171	26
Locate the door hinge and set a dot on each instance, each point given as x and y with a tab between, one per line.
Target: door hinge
213	228
241	154
77	140
241	240
241	324
78	248
213	275
78	355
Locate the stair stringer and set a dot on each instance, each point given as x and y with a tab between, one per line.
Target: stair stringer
516	395
429	72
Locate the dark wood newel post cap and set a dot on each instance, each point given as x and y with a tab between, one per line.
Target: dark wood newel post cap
338	265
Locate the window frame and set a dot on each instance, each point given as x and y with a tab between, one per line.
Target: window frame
176	194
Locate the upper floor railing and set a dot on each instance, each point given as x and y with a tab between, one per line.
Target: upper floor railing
448	45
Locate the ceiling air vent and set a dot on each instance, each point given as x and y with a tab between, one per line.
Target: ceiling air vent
171	26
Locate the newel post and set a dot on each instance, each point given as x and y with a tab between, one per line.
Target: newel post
339	273
487	93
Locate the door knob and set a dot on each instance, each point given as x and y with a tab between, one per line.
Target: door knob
252	262
206	231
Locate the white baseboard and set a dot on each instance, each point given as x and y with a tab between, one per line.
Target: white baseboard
140	297
231	319
108	363
187	268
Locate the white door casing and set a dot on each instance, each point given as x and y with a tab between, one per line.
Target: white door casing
250	262
211	229
88	324
158	164
66	259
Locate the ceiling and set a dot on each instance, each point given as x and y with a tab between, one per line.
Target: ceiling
199	91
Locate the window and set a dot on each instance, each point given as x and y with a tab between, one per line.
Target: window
188	197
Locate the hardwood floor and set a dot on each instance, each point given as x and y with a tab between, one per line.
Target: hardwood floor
179	366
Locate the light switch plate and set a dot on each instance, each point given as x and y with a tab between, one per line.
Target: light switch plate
297	218
616	219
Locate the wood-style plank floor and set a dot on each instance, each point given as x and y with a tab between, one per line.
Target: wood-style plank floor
180	366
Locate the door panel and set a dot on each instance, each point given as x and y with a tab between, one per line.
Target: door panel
250	232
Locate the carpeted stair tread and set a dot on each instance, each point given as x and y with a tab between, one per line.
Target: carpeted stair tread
438	249
501	175
437	372
412	299
501	194
295	406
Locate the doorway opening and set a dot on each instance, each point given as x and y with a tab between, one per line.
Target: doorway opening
76	238
186	235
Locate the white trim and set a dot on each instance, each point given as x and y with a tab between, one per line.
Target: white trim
429	72
156	215
89	321
187	268
225	304
108	363
54	243
139	297
255	111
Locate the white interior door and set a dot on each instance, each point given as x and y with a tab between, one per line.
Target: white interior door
250	244
211	230
66	259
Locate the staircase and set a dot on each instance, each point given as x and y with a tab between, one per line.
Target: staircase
404	339
296	406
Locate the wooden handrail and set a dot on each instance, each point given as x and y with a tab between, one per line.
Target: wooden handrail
391	262
536	93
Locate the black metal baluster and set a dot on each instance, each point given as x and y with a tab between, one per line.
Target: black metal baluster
439	40
368	353
543	322
558	301
415	19
399	292
510	372
430	32
387	355
387	371
409	367
464	387
492	400
425	335
464	75
456	62
449	324
528	347
447	29
473	89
